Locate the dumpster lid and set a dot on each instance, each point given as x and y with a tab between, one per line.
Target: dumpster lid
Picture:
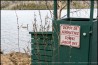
50	32
78	19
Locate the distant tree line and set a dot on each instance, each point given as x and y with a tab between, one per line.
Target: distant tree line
36	5
32	6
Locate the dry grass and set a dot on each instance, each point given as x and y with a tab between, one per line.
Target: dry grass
15	58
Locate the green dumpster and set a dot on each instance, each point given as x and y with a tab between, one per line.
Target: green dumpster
80	46
73	41
42	48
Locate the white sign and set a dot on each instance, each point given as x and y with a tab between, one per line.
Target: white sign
70	35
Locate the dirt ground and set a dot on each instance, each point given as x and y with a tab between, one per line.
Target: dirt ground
15	58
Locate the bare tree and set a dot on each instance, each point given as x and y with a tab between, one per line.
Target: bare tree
61	6
18	29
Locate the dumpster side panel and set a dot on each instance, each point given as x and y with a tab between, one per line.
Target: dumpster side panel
94	45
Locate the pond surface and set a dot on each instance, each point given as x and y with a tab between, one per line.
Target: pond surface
9	31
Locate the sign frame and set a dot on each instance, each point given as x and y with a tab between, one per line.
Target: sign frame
70	36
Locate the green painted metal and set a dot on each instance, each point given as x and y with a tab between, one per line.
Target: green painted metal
55	9
93	55
91	10
76	56
68	8
42	48
46	48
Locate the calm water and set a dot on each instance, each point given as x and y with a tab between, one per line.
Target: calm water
9	31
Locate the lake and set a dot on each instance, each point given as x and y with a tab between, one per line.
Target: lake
9	31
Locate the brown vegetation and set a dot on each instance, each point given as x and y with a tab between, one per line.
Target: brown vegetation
15	58
36	5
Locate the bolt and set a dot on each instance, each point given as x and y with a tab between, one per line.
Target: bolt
84	34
